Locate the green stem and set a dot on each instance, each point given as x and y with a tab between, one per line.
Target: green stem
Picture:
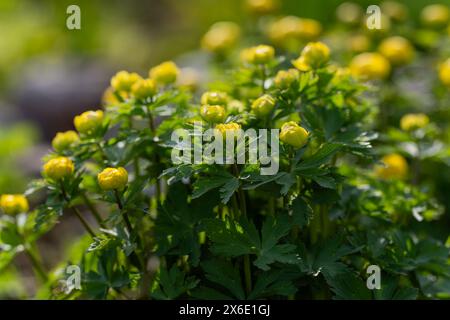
123	212
93	209
37	265
263	78
77	213
247	274
84	222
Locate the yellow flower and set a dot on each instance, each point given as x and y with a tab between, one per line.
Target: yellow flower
285	78
263	105
397	50
359	43
293	135
214	98
261	54
212	113
395	10
228	128
413	121
370	66
88	122
313	56
262	7
435	15
349	13
64	140
221	37
12	204
165	73
189	78
144	88
444	72
235	107
113	178
58	168
290	31
109	98
395	167
123	80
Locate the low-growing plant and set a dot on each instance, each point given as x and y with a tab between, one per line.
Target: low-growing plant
165	221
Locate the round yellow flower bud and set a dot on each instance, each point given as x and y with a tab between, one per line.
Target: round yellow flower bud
395	167
214	113
444	72
397	50
228	128
189	79
262	54
214	98
413	121
293	135
262	7
64	140
395	10
359	43
165	73
58	168
123	80
285	78
263	105
12	204
144	88
349	13
313	56
221	37
435	15
88	122
290	31
113	178
235	107
370	66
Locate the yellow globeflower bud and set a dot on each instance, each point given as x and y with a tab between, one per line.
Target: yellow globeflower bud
113	178
395	167
12	204
89	122
444	72
123	80
64	140
228	128
370	66
313	56
395	10
221	37
214	113
262	7
262	54
349	13
397	50
435	15
289	31
214	98
58	168
413	121
235	107
189	78
293	135
144	88
165	73
359	43
263	105
285	78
